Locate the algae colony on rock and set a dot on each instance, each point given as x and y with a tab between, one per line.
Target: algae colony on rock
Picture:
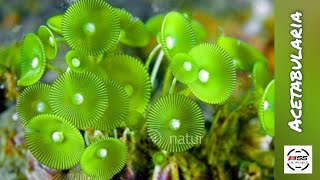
115	110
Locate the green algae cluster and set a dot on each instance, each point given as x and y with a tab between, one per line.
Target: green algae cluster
105	90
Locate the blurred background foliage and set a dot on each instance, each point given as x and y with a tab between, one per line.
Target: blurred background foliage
234	147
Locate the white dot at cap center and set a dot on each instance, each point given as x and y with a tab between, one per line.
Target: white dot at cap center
175	124
51	41
35	62
41	107
90	28
57	136
102	153
170	42
203	76
75	62
187	66
77	99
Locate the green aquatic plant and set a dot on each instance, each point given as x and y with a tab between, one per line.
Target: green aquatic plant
266	109
118	108
92	27
49	42
184	68
102	91
159	158
244	55
55	22
79	98
154	24
248	59
261	76
33	60
54	141
77	61
135	121
216	74
133	31
104	158
135	80
175	123
177	34
33	101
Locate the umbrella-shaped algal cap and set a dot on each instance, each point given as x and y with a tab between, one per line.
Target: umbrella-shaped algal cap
33	61
77	61
118	108
177	35
154	24
184	68
104	158
216	76
80	98
48	41
133	76
243	54
71	175
133	31
197	27
33	101
91	26
55	23
159	158
135	121
199	30
175	123
266	110
261	76
54	141
74	173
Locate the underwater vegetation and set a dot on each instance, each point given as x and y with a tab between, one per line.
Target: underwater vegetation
111	113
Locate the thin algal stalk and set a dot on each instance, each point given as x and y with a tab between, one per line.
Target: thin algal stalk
156	67
54	68
125	134
173	84
151	55
115	133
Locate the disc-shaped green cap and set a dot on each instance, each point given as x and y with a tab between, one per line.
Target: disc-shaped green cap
98	68
177	35
261	76
33	101
70	175
80	98
54	141
92	27
199	30
184	68
154	24
55	22
33	61
216	76
175	123
133	76
118	108
48	41
135	121
159	158
104	158
243	54
266	110
133	31
77	61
